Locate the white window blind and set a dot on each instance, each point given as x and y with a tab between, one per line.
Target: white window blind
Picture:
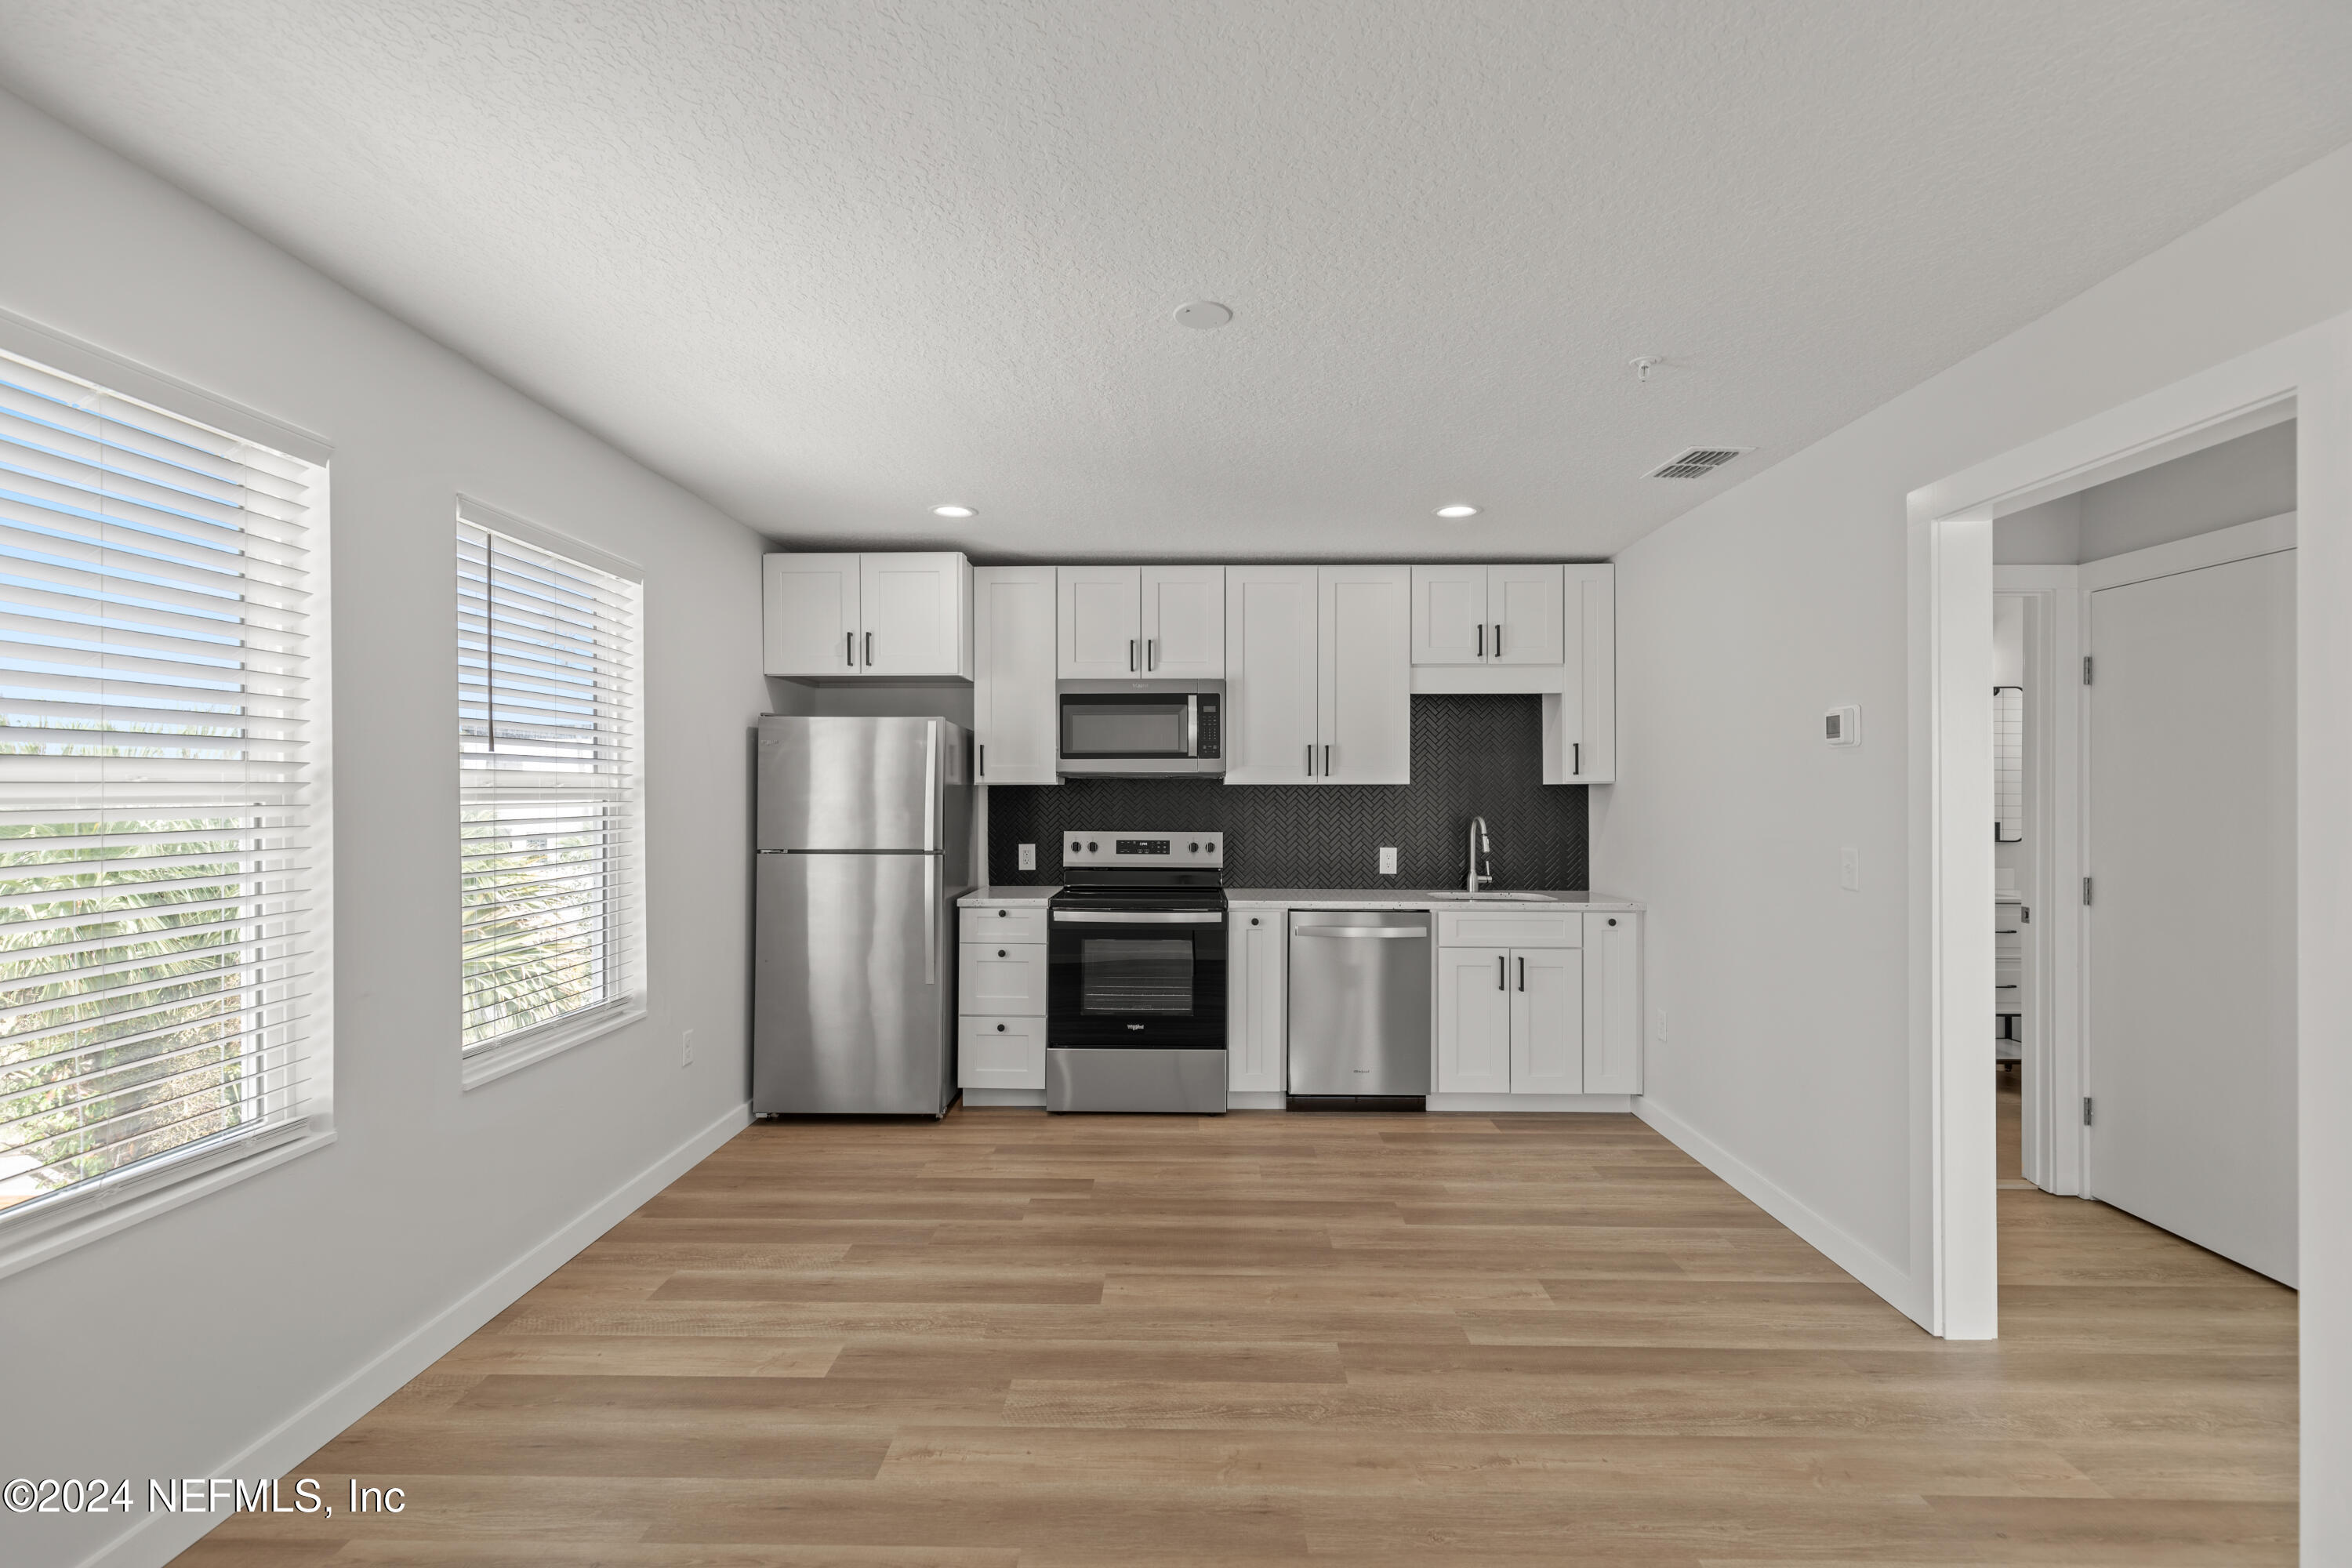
157	827
551	885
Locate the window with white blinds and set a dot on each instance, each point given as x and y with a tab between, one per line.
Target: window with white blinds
159	955
552	886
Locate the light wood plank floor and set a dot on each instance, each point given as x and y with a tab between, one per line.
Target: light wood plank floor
1264	1339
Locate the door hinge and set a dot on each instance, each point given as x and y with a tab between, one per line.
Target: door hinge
2086	670
2086	889
2086	1110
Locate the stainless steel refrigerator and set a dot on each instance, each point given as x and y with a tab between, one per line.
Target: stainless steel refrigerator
865	845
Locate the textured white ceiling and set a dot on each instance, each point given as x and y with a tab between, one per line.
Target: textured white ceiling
831	264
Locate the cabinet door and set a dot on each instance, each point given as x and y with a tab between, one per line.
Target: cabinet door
1254	1004
912	605
1364	699
1013	712
1005	979
1579	722
1102	623
1474	1020
1270	675
1524	612
1001	1053
1449	615
809	611
1184	623
1613	1004
1546	1020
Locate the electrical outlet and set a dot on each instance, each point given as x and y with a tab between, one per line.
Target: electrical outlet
1028	856
685	1048
1387	860
1850	869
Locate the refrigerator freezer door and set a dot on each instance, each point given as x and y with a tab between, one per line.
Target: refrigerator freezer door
850	783
854	990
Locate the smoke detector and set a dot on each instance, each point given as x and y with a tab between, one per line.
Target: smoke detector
1695	462
1205	314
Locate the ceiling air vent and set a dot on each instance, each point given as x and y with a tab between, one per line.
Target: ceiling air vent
1695	462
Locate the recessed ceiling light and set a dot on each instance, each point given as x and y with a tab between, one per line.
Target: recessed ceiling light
1457	512
953	511
1204	313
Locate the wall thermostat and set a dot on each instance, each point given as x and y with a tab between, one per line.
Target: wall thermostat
1842	726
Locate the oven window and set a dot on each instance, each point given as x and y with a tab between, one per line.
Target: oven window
1123	727
1120	975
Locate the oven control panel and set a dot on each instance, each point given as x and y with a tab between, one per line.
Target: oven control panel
1130	847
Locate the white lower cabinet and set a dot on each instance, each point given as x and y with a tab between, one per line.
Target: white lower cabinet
1548	1021
1612	1003
1474	1020
1001	981
1001	1053
1256	1014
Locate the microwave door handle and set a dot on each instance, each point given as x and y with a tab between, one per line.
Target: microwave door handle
1193	726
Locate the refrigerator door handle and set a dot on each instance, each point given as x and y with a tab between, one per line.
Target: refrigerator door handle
932	805
931	921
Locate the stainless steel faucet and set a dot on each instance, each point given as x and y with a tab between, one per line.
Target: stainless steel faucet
1482	857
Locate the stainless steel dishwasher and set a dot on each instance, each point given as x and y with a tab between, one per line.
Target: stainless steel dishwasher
1359	1004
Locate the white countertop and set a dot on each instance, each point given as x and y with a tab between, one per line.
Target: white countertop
1342	897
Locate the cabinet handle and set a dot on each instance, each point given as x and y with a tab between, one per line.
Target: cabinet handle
1612	919
1151	653
1254	921
1481	639
1523	972
984	759
1502	973
1310	759
1131	655
849	654
870	651
999	953
1498	639
1575	757
1326	762
1000	1028
1002	913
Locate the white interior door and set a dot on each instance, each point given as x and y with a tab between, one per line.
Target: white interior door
1474	1020
1364	700
2190	930
1449	615
1269	675
1012	710
1102	623
1523	609
1184	623
1546	1020
809	608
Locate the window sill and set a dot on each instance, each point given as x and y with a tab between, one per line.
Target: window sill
535	1045
101	1214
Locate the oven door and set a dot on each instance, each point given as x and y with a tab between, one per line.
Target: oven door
1136	978
1138	727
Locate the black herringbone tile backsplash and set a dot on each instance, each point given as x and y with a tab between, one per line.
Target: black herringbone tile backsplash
1471	756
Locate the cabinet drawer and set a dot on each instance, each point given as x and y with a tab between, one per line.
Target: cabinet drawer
1000	923
1002	977
1511	928
1001	1053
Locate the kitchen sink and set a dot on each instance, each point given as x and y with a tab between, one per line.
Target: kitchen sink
1490	895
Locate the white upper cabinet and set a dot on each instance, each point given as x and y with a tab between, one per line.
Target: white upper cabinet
1449	615
809	606
881	613
1524	610
1364	693
1487	615
1580	719
1101	616
1012	707
1184	623
1270	669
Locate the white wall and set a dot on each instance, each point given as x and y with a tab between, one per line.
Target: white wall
1790	1062
2232	483
172	1348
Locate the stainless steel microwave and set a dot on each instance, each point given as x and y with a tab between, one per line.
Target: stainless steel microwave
1142	728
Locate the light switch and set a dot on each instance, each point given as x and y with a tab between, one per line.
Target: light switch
1387	860
1028	856
1850	869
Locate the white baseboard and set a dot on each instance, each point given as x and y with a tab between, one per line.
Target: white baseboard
1034	1099
1495	1104
159	1537
1841	1246
1256	1099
